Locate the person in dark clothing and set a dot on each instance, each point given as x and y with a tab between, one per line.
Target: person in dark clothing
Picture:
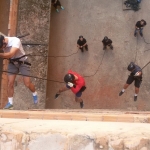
139	27
56	3
81	43
107	42
136	76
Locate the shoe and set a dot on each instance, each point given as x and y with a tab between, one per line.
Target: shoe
141	34
81	104
62	8
8	106
121	93
56	96
57	10
86	49
35	99
135	98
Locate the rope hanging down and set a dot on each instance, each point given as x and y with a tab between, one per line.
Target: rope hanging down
32	77
98	66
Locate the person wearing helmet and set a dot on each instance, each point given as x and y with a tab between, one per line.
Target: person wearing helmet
76	83
136	76
14	51
57	3
107	42
81	43
139	27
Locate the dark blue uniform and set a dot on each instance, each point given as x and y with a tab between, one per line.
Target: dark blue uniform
137	79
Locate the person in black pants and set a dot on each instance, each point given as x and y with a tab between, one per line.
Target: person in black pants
107	42
81	43
139	27
136	76
56	3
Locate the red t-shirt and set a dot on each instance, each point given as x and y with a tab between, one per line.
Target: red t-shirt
79	82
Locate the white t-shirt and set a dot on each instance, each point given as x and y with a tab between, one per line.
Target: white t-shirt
15	42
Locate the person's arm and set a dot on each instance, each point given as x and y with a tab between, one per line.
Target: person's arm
85	43
78	44
62	90
139	73
136	26
103	41
110	41
10	54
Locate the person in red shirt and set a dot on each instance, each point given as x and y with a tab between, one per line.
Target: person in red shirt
76	83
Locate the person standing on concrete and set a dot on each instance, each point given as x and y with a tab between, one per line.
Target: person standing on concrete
139	27
14	51
136	76
57	3
76	83
107	42
81	43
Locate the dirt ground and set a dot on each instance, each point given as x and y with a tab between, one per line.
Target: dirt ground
94	20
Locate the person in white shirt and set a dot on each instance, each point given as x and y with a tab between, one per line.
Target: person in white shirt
14	51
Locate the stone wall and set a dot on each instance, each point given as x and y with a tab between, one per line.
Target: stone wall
72	135
33	18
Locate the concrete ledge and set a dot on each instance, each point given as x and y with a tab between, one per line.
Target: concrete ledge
106	116
23	134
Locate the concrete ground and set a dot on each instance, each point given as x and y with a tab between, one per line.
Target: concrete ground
94	20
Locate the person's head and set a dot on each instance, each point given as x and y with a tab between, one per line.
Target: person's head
69	78
131	67
81	37
105	38
2	42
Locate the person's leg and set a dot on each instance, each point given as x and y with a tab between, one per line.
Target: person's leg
25	71
104	47
86	47
59	4
129	81
29	84
55	5
79	99
137	86
135	32
111	46
13	70
10	90
81	48
63	89
31	87
141	32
